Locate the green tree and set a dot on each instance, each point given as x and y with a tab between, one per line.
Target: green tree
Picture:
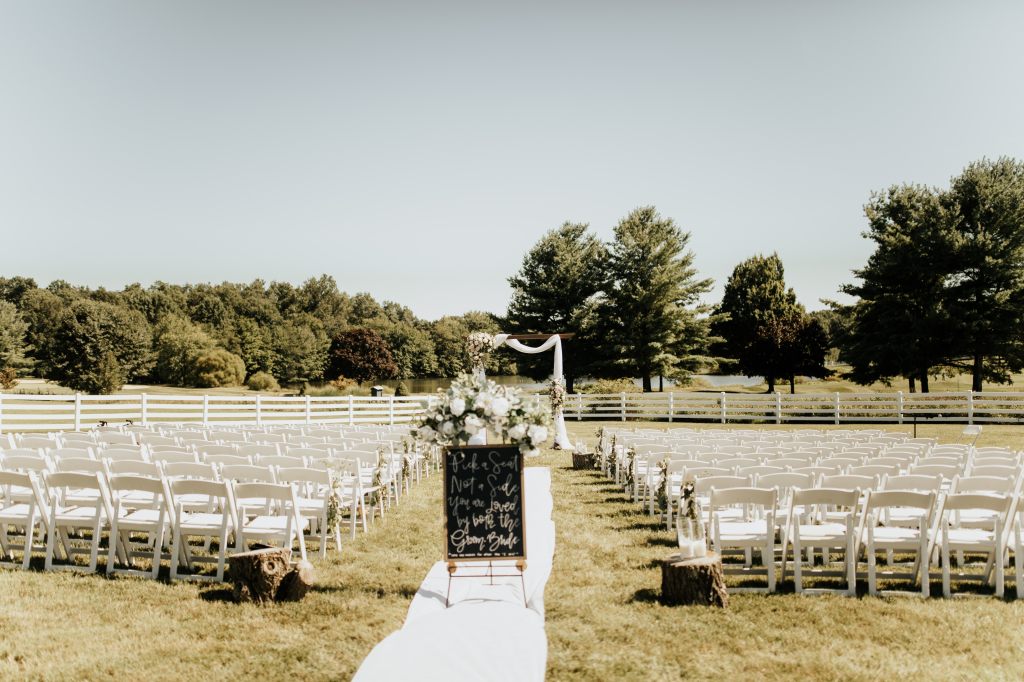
901	324
556	290
217	367
361	354
300	349
759	319
100	346
13	347
177	344
986	292
651	306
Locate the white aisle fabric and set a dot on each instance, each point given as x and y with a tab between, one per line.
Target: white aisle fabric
486	633
555	341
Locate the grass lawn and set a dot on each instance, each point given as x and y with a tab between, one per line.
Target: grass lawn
603	618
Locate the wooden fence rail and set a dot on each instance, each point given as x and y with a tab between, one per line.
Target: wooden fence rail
20	413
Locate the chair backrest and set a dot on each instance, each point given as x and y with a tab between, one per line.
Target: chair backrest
848	482
228	436
131	482
247	472
36	442
227	460
879	499
26	480
940	470
758	471
58	454
128	466
762	497
111	454
169	456
190	470
36	463
270	492
733	462
876	470
154	439
286	475
839	497
282	461
989	501
996	470
256	450
703	485
212	450
82	465
926	482
785	480
981	483
115	438
22	452
60	481
77	439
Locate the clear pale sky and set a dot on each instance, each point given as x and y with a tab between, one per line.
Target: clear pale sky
416	150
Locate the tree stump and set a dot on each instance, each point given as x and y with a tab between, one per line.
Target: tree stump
258	574
298	581
697	581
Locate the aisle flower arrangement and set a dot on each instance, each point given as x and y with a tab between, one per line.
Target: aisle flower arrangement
473	404
556	393
479	346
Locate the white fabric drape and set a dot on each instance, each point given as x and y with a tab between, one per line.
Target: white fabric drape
555	341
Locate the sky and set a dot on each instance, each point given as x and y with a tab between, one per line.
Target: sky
417	150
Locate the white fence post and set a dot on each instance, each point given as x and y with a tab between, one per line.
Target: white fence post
145	410
622	405
899	407
1	413
309	410
671	405
78	411
579	407
778	407
970	407
259	410
391	410
721	406
835	407
206	410
351	412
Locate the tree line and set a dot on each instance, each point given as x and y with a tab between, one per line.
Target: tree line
943	292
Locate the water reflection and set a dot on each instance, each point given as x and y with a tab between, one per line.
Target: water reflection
528	384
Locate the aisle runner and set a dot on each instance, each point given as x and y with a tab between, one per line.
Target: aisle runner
487	633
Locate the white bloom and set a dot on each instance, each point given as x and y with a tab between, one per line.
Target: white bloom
499	407
528	451
538	434
426	433
458	406
448	429
473	424
517	432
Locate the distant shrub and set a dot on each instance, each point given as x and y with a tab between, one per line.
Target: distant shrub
344	385
401	390
219	367
8	378
610	386
262	381
333	390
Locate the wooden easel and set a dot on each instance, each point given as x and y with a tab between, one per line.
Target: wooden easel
453	566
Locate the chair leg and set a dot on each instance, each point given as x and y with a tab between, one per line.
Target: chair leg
872	586
768	558
175	551
112	539
158	545
797	565
946	591
48	562
30	528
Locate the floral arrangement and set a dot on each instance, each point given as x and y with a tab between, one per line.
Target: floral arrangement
556	392
662	494
630	459
473	404
690	522
479	346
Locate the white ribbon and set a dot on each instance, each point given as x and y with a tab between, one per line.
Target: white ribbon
555	341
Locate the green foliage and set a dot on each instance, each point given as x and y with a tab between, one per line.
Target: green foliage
986	288
178	343
401	390
300	348
556	290
651	315
901	325
606	386
262	381
764	328
450	334
13	330
217	367
97	346
8	378
361	354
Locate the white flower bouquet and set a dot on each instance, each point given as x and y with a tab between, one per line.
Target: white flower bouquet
478	347
473	404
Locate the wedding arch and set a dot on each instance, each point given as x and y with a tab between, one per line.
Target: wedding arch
481	344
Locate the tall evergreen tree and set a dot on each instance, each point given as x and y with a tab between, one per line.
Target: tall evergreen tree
651	307
556	290
759	320
901	325
986	294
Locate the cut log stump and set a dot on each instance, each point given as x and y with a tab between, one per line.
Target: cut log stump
693	581
267	575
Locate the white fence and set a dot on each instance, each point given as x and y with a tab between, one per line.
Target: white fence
74	412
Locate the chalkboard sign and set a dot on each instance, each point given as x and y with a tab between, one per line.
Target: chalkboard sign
483	503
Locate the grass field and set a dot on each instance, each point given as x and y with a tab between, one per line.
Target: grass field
603	619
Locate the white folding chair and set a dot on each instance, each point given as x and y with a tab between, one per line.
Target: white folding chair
21	515
321	501
831	523
77	501
129	516
977	538
891	538
752	531
215	519
282	523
